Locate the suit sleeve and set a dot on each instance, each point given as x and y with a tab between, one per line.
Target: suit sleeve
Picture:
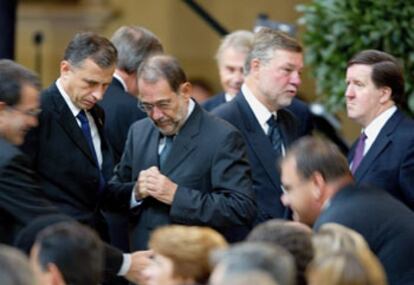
231	201
20	195
119	188
406	177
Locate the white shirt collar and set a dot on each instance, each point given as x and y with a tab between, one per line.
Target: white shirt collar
260	111
121	81
73	108
228	97
373	129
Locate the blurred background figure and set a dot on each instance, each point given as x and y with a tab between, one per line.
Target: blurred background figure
15	268
202	90
181	255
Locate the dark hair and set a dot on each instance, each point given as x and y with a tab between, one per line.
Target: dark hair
386	72
292	237
90	45
75	249
318	155
162	67
13	77
265	42
134	45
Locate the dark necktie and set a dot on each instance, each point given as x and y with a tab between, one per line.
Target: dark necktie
86	130
359	152
166	150
275	136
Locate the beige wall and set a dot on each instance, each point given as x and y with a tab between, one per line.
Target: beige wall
183	33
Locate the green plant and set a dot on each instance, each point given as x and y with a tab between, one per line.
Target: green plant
337	29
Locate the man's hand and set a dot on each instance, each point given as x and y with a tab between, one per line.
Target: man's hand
139	261
152	182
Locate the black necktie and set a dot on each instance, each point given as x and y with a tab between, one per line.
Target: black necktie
166	150
274	135
86	130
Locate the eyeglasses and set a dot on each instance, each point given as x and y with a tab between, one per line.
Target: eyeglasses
32	112
147	107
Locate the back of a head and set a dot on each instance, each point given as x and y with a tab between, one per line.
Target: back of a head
134	44
346	268
239	40
257	257
88	45
294	237
248	278
76	251
165	67
189	249
266	41
13	77
14	267
313	154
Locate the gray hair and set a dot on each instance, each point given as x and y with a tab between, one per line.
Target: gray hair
265	42
240	40
134	45
14	267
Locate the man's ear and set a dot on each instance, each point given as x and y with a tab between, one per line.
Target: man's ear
56	277
386	93
65	67
186	89
319	185
254	65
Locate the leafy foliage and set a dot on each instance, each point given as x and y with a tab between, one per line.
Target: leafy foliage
338	29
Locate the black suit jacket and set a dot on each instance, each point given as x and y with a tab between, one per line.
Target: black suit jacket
121	110
208	161
266	176
68	172
298	108
389	163
385	223
20	198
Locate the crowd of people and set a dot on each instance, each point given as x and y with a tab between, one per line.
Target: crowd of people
114	172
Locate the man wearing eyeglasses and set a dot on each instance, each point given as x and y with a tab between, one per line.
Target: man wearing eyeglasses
181	164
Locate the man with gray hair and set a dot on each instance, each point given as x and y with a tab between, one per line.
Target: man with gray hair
15	268
230	57
272	68
134	44
182	164
254	257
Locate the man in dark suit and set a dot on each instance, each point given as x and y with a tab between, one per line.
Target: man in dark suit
69	149
272	71
134	44
231	56
21	198
320	189
384	154
181	164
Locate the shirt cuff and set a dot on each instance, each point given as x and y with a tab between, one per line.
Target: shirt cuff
126	264
134	202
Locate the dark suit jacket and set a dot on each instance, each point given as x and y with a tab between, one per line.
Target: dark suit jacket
266	177
298	108
68	172
20	198
385	223
208	161
121	110
389	163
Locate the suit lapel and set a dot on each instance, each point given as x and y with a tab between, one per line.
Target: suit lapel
184	142
383	139
69	124
288	126
260	143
